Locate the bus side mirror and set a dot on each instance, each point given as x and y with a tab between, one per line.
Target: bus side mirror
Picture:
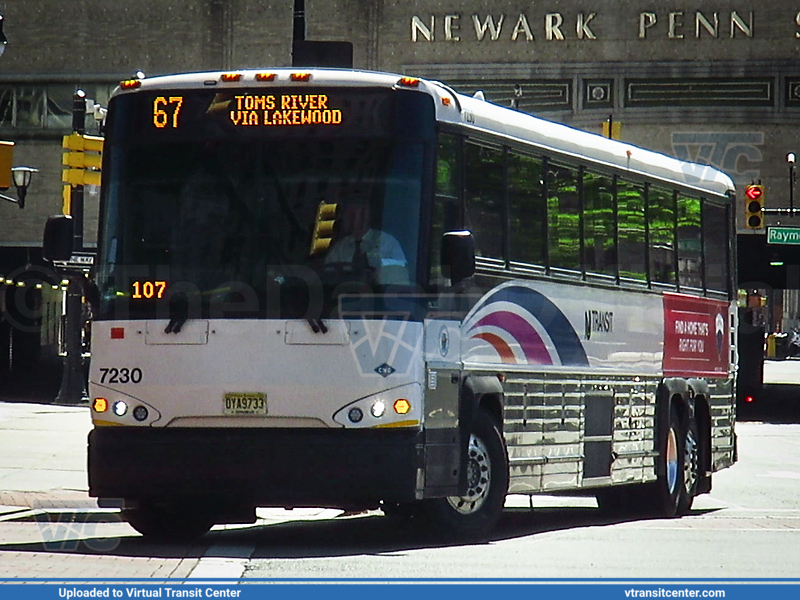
458	255
58	233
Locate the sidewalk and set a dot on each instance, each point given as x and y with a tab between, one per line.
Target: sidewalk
43	456
49	526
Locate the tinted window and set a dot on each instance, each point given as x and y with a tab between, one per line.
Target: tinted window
446	206
563	217
690	248
661	217
600	255
715	224
526	208
484	198
630	210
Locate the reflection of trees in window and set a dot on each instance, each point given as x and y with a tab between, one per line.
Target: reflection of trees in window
690	250
600	254
484	198
715	225
527	209
630	211
661	218
563	217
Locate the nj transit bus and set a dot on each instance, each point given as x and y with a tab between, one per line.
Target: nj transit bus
361	290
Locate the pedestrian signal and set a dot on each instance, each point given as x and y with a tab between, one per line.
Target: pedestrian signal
323	228
754	206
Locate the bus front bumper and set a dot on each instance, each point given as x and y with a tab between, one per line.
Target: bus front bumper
262	467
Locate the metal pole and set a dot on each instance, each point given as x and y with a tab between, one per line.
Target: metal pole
73	382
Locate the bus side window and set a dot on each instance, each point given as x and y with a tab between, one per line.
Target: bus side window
661	217
563	217
715	228
630	215
527	209
484	198
690	246
445	215
600	250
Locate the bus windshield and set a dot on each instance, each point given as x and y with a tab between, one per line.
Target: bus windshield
264	220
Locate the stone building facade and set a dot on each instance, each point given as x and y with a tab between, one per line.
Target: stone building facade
712	82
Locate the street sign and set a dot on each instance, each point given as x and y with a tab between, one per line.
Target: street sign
78	260
789	236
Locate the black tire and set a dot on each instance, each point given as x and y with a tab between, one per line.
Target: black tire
475	514
673	492
166	522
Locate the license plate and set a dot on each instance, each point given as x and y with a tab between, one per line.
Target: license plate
244	403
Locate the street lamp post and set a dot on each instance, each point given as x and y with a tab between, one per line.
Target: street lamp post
73	381
790	158
22	179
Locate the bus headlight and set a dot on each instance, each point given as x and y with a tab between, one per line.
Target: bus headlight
397	407
378	408
355	414
120	408
140	413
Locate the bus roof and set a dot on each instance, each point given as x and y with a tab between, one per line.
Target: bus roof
553	138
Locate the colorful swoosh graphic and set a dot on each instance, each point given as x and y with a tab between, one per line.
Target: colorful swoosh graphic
514	316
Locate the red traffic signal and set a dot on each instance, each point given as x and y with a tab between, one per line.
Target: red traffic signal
754	206
754	192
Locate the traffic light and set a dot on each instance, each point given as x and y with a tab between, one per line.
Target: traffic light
6	160
323	228
754	206
83	159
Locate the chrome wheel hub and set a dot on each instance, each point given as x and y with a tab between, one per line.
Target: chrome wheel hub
479	477
690	463
672	460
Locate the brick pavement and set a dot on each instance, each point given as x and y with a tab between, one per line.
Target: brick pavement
49	526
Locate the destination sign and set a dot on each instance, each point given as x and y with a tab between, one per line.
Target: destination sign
248	110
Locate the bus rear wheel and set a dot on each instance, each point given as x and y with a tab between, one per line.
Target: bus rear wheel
475	513
168	522
673	492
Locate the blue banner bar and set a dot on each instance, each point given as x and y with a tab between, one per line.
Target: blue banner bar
369	590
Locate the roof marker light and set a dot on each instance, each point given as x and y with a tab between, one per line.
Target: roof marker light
300	76
117	333
229	77
446	101
265	76
408	82
130	84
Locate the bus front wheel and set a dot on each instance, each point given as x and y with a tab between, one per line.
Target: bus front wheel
167	521
475	513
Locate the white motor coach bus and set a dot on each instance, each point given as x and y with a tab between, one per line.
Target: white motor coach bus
350	289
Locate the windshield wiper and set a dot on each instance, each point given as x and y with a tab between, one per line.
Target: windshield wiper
317	325
178	313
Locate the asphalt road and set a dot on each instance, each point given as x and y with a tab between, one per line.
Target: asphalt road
748	527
